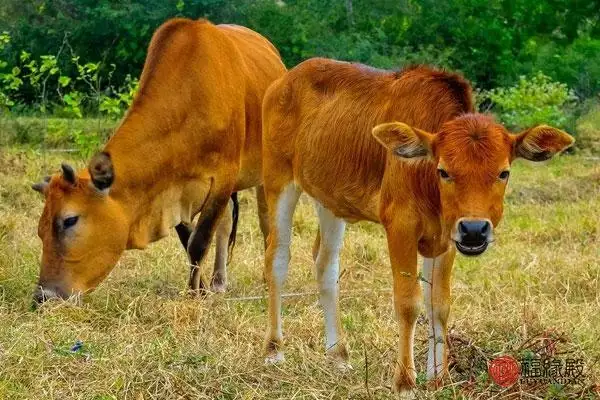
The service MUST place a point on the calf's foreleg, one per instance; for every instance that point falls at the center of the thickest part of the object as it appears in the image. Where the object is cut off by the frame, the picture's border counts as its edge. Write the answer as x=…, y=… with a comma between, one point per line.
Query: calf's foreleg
x=436, y=288
x=402, y=246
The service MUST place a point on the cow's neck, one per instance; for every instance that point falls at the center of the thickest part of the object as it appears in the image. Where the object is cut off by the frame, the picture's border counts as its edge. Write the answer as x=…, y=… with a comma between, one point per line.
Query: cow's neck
x=150, y=193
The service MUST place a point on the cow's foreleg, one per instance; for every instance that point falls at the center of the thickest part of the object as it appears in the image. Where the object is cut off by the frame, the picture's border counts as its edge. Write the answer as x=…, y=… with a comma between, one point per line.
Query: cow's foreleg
x=184, y=231
x=281, y=203
x=219, y=278
x=402, y=246
x=201, y=238
x=328, y=270
x=436, y=288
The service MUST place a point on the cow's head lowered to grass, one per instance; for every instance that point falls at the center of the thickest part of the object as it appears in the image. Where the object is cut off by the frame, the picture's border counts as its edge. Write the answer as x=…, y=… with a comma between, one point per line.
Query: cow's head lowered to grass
x=473, y=155
x=83, y=230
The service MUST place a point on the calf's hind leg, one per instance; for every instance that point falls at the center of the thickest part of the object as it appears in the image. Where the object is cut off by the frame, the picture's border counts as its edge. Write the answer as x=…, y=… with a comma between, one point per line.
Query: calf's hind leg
x=281, y=204
x=328, y=271
x=263, y=215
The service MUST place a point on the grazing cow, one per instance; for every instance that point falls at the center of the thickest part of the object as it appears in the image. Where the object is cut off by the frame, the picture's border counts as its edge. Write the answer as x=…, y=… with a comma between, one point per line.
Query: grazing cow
x=191, y=139
x=403, y=149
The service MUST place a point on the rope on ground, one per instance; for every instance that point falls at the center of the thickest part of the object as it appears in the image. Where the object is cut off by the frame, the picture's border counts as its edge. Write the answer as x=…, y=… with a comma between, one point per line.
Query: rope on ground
x=347, y=293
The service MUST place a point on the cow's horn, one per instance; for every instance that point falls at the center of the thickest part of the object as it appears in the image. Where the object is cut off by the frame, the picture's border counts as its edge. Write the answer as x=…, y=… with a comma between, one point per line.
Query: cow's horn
x=68, y=173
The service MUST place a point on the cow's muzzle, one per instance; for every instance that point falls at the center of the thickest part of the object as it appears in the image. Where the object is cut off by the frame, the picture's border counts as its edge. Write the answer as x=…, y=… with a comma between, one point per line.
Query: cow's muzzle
x=473, y=236
x=45, y=293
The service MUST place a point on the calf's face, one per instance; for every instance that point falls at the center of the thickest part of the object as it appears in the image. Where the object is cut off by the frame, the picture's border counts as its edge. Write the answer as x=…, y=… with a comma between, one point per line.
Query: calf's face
x=83, y=231
x=472, y=155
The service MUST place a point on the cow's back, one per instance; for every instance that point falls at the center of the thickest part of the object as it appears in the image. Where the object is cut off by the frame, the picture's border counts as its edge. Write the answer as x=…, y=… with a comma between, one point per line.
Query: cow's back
x=261, y=65
x=319, y=118
x=200, y=95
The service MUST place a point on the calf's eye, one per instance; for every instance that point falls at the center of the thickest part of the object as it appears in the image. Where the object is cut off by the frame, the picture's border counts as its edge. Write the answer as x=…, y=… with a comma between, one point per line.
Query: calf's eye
x=504, y=175
x=70, y=221
x=443, y=173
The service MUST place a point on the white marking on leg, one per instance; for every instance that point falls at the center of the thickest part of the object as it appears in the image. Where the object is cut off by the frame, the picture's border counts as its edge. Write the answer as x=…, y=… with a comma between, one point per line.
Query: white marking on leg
x=437, y=341
x=286, y=204
x=328, y=269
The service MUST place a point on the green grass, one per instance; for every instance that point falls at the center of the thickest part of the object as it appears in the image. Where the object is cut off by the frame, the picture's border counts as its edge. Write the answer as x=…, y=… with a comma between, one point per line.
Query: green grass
x=144, y=339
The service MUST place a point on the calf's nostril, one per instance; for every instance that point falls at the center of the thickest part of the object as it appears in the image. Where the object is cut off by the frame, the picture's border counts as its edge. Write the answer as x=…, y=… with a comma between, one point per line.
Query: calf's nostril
x=474, y=231
x=485, y=230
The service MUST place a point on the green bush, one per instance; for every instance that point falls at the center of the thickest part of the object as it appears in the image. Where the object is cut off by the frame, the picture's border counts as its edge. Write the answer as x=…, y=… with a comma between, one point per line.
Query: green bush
x=588, y=129
x=83, y=135
x=534, y=100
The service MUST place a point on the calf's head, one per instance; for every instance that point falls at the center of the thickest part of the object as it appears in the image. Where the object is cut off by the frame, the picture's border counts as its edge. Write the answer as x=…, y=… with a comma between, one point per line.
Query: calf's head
x=83, y=230
x=473, y=155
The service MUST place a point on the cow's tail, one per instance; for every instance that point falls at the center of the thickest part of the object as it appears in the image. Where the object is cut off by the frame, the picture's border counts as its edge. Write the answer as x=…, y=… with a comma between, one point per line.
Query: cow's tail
x=235, y=215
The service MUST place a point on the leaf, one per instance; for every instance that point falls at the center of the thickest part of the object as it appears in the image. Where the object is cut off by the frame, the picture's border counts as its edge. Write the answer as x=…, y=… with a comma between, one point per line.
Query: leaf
x=64, y=81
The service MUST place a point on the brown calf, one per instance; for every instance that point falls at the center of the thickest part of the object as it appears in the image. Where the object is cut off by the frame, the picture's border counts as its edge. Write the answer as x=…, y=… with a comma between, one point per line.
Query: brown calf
x=435, y=180
x=191, y=138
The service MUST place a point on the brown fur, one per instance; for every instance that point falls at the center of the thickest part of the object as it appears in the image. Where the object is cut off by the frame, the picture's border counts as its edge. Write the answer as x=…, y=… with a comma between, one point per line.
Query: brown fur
x=329, y=129
x=191, y=137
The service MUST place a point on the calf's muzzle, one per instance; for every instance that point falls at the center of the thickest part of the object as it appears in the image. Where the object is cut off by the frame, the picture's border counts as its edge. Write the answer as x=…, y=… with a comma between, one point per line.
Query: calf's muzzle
x=473, y=236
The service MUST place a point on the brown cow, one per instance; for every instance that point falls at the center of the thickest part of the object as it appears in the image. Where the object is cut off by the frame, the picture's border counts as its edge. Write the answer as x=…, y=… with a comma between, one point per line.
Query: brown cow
x=191, y=138
x=435, y=180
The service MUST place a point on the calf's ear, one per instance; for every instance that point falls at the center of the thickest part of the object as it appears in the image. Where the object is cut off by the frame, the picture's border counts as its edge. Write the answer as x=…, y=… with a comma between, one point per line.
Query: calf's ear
x=404, y=141
x=541, y=143
x=102, y=172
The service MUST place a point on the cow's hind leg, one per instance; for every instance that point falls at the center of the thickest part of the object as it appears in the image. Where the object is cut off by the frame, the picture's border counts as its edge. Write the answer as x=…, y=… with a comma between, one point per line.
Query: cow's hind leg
x=328, y=270
x=219, y=278
x=281, y=203
x=201, y=238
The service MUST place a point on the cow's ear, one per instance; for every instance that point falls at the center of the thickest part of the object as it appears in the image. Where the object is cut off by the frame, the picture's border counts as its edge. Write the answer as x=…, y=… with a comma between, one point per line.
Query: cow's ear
x=101, y=171
x=41, y=186
x=541, y=143
x=403, y=140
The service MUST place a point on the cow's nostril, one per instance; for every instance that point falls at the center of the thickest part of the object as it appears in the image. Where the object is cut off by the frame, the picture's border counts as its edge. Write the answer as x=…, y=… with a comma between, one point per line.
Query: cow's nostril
x=43, y=294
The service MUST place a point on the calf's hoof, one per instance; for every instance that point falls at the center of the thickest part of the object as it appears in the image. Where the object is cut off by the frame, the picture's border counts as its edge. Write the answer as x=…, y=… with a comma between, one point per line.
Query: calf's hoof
x=405, y=383
x=275, y=358
x=338, y=356
x=274, y=351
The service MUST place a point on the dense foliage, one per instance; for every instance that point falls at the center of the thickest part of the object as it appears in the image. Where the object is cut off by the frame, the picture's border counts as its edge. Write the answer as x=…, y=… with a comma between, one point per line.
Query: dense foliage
x=83, y=55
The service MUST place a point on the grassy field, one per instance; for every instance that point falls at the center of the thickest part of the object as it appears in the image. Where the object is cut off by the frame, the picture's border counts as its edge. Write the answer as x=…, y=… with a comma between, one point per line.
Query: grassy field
x=142, y=338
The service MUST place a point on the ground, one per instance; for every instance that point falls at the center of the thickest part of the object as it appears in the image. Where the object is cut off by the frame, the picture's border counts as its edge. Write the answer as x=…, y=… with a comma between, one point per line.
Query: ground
x=144, y=338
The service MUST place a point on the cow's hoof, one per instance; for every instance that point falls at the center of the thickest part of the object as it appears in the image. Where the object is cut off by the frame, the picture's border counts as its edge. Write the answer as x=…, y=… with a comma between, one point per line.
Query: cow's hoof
x=197, y=293
x=218, y=287
x=218, y=283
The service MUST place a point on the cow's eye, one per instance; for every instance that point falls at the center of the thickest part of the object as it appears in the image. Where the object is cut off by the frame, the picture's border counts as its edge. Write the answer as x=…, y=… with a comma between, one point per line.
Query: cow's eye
x=504, y=175
x=443, y=174
x=70, y=221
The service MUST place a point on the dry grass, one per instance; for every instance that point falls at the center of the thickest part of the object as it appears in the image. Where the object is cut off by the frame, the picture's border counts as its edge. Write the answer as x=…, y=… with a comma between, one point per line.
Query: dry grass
x=143, y=339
